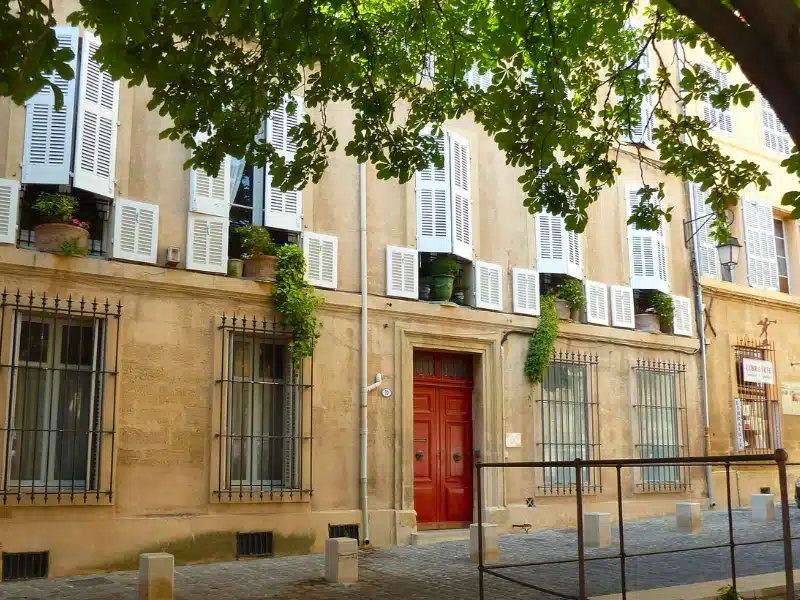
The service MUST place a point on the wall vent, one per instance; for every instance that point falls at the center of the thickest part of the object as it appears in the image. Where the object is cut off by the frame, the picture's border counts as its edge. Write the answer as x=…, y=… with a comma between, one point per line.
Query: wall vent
x=343, y=531
x=257, y=543
x=25, y=565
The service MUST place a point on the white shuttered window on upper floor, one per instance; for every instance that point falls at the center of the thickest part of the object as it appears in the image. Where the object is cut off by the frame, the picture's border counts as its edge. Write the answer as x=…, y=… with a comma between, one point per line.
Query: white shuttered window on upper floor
x=647, y=250
x=682, y=316
x=596, y=302
x=9, y=206
x=488, y=285
x=557, y=250
x=402, y=270
x=525, y=291
x=641, y=131
x=135, y=231
x=717, y=118
x=622, y=310
x=207, y=243
x=322, y=257
x=759, y=234
x=444, y=200
x=708, y=258
x=210, y=194
x=776, y=137
x=283, y=209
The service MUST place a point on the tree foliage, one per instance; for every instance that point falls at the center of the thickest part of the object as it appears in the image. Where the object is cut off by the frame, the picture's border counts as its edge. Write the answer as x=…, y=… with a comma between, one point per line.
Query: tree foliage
x=566, y=86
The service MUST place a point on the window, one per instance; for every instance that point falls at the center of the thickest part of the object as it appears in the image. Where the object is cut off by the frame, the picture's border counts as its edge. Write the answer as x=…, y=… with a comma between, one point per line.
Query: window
x=708, y=256
x=776, y=137
x=660, y=404
x=648, y=250
x=780, y=253
x=60, y=369
x=760, y=424
x=570, y=421
x=716, y=118
x=759, y=233
x=558, y=251
x=263, y=401
x=641, y=130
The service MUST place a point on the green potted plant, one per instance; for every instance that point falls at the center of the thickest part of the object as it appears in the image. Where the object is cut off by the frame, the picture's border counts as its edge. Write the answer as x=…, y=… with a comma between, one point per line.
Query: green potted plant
x=571, y=293
x=260, y=252
x=444, y=271
x=59, y=229
x=657, y=317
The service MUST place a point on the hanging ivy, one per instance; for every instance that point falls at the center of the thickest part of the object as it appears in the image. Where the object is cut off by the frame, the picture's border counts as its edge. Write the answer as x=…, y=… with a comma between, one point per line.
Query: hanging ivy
x=296, y=301
x=542, y=342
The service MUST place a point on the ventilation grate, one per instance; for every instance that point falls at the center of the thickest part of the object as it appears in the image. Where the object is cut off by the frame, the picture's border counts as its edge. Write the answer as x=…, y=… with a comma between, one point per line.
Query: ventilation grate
x=25, y=565
x=258, y=543
x=343, y=531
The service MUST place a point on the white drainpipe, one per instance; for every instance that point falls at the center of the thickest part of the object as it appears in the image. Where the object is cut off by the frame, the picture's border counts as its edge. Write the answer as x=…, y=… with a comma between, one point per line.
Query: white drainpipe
x=365, y=389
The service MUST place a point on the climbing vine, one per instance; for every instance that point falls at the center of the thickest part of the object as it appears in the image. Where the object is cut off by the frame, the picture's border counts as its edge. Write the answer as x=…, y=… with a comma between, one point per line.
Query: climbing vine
x=543, y=340
x=296, y=301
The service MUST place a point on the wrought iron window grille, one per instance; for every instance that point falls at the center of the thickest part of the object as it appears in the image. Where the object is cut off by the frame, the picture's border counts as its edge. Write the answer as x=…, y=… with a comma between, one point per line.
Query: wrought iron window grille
x=570, y=421
x=59, y=361
x=264, y=448
x=662, y=428
x=759, y=401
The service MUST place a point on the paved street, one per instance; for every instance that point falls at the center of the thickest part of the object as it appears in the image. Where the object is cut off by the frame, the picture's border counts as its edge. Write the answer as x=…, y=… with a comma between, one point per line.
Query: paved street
x=444, y=570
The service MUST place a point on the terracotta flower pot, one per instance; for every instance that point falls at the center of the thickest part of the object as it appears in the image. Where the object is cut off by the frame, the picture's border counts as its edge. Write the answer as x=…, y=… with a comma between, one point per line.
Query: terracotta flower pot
x=562, y=309
x=260, y=267
x=648, y=322
x=50, y=236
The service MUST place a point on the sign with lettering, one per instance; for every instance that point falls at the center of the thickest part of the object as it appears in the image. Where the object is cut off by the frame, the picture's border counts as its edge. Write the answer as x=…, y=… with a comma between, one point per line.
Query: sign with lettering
x=758, y=371
x=790, y=394
x=739, y=427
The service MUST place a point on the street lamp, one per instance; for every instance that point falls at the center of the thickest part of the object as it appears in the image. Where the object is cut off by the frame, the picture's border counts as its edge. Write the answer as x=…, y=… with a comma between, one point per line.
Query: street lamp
x=729, y=253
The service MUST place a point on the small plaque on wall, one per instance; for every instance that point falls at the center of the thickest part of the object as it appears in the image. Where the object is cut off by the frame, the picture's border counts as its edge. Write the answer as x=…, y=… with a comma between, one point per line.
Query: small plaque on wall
x=790, y=397
x=513, y=440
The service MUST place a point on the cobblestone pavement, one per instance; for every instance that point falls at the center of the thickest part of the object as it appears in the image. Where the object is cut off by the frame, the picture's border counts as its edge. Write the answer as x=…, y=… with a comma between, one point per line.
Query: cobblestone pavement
x=444, y=571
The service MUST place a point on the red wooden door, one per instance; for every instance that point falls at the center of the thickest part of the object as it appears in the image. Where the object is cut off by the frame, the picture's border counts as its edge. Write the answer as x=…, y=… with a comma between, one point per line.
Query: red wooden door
x=443, y=455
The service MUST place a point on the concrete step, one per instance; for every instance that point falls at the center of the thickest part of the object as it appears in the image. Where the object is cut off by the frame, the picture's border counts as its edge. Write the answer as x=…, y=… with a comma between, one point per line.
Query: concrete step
x=434, y=536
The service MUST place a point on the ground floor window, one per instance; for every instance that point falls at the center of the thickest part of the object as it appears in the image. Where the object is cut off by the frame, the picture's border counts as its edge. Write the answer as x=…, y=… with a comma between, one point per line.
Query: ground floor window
x=263, y=395
x=58, y=430
x=662, y=427
x=758, y=426
x=570, y=421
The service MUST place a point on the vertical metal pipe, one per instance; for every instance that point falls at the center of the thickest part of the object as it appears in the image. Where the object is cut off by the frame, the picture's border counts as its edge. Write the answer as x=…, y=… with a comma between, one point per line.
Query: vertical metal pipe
x=362, y=193
x=730, y=523
x=479, y=480
x=223, y=426
x=114, y=399
x=579, y=509
x=621, y=534
x=780, y=458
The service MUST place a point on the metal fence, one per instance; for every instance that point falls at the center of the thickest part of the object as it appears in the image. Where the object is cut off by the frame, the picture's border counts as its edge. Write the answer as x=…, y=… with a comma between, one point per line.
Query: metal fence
x=579, y=467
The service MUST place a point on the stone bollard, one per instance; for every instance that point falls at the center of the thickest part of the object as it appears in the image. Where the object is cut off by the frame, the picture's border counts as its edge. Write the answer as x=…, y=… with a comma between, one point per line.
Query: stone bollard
x=762, y=508
x=689, y=517
x=596, y=530
x=156, y=576
x=341, y=560
x=491, y=543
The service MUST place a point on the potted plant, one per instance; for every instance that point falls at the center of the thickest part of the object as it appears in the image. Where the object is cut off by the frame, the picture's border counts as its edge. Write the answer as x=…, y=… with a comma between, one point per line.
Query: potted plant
x=260, y=252
x=658, y=316
x=444, y=272
x=60, y=231
x=425, y=288
x=460, y=294
x=235, y=267
x=570, y=293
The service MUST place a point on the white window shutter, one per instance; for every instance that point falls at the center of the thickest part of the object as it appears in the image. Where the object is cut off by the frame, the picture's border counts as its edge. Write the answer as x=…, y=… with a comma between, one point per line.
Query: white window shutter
x=284, y=210
x=488, y=286
x=48, y=142
x=433, y=205
x=475, y=78
x=98, y=108
x=762, y=262
x=725, y=122
x=207, y=243
x=460, y=196
x=596, y=302
x=574, y=254
x=648, y=251
x=682, y=317
x=9, y=207
x=135, y=231
x=622, y=311
x=402, y=271
x=210, y=194
x=525, y=284
x=716, y=118
x=776, y=137
x=321, y=252
x=708, y=258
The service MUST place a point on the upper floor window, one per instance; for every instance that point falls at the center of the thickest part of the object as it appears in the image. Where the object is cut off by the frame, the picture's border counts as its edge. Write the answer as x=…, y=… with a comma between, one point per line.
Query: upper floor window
x=761, y=245
x=648, y=250
x=708, y=256
x=75, y=145
x=781, y=256
x=642, y=122
x=716, y=118
x=776, y=137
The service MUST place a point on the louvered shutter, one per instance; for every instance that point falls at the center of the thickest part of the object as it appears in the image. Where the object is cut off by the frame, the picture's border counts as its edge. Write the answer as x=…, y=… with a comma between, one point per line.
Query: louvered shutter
x=648, y=251
x=321, y=252
x=574, y=254
x=776, y=137
x=716, y=118
x=475, y=78
x=762, y=262
x=622, y=311
x=210, y=194
x=429, y=68
x=557, y=250
x=98, y=107
x=402, y=270
x=709, y=257
x=135, y=231
x=460, y=193
x=284, y=210
x=682, y=317
x=725, y=122
x=9, y=207
x=596, y=302
x=47, y=147
x=207, y=243
x=433, y=205
x=488, y=286
x=525, y=284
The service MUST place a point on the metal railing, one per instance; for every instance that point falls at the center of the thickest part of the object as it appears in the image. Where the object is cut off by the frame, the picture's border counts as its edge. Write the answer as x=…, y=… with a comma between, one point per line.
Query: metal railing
x=778, y=459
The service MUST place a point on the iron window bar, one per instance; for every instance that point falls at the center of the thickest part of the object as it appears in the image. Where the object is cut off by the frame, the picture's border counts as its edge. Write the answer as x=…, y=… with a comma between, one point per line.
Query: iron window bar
x=59, y=358
x=759, y=401
x=264, y=441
